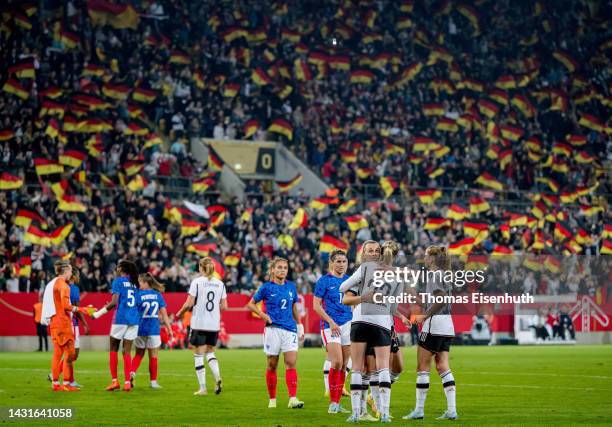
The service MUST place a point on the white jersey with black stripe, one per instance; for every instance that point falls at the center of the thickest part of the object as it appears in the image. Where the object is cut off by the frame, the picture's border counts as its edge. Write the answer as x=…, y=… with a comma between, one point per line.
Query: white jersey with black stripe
x=440, y=323
x=207, y=308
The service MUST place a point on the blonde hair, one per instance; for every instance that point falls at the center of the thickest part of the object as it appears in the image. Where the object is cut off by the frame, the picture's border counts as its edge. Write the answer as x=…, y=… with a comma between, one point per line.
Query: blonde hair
x=440, y=256
x=273, y=263
x=152, y=282
x=207, y=267
x=361, y=254
x=61, y=266
x=389, y=251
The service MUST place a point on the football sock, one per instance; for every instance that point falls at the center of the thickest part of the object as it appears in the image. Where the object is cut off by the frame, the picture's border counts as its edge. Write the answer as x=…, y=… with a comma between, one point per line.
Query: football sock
x=127, y=366
x=71, y=372
x=114, y=362
x=365, y=382
x=349, y=365
x=153, y=368
x=422, y=387
x=326, y=367
x=394, y=376
x=385, y=391
x=200, y=371
x=448, y=382
x=136, y=361
x=374, y=389
x=56, y=362
x=342, y=380
x=213, y=364
x=356, y=388
x=333, y=384
x=292, y=381
x=271, y=383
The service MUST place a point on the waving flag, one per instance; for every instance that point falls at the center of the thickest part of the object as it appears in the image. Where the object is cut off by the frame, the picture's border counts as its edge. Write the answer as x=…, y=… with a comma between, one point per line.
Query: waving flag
x=300, y=220
x=285, y=186
x=10, y=182
x=330, y=243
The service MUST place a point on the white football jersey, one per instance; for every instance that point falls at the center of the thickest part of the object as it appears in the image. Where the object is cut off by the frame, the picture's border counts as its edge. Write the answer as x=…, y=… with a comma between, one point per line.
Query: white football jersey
x=207, y=308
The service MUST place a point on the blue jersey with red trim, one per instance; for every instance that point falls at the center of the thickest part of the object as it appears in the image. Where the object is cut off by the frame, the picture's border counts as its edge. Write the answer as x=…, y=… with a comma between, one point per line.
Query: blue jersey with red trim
x=328, y=289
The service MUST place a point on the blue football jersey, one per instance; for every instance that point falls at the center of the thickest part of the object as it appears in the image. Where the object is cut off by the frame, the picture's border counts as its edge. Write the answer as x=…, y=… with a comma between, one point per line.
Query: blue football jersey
x=328, y=289
x=151, y=302
x=75, y=298
x=279, y=301
x=126, y=312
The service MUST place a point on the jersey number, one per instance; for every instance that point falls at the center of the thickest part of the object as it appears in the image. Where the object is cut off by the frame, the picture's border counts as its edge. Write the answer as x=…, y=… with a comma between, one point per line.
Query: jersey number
x=210, y=301
x=130, y=296
x=283, y=304
x=153, y=307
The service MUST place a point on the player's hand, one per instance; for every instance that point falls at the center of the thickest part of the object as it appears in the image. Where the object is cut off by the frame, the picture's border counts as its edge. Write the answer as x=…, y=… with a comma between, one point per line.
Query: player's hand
x=419, y=318
x=335, y=329
x=266, y=319
x=300, y=332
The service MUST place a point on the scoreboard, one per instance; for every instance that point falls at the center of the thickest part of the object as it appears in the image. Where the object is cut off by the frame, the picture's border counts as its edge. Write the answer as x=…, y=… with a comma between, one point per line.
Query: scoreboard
x=247, y=158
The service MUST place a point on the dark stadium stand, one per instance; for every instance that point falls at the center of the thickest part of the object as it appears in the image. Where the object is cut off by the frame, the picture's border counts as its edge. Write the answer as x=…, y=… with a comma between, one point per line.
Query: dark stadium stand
x=493, y=139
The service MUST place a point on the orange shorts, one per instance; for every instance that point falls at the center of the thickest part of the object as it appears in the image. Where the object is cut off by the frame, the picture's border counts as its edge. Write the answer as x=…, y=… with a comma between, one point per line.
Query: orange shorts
x=63, y=337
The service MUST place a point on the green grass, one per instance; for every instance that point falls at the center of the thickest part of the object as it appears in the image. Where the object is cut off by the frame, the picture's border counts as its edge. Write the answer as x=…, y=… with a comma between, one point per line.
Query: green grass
x=495, y=385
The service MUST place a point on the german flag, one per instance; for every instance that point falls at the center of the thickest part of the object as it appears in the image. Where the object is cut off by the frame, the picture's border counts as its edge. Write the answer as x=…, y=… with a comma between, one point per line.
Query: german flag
x=72, y=158
x=230, y=90
x=257, y=35
x=562, y=149
x=219, y=268
x=499, y=96
x=560, y=166
x=143, y=95
x=606, y=247
x=434, y=172
x=6, y=135
x=584, y=158
x=250, y=127
x=407, y=6
x=539, y=210
x=523, y=105
x=473, y=85
x=433, y=110
x=346, y=206
x=583, y=238
x=532, y=262
x=203, y=184
x=25, y=217
x=403, y=23
x=506, y=82
x=505, y=157
x=474, y=229
x=340, y=63
x=462, y=247
x=364, y=173
x=132, y=167
x=47, y=167
x=408, y=74
x=51, y=92
x=477, y=262
x=190, y=227
x=576, y=140
x=14, y=87
x=203, y=248
x=300, y=219
x=323, y=202
x=70, y=203
x=433, y=223
x=215, y=163
x=487, y=180
x=260, y=77
x=591, y=122
x=284, y=186
x=428, y=197
x=198, y=78
x=361, y=76
x=301, y=70
x=422, y=143
x=517, y=220
x=500, y=250
x=137, y=183
x=478, y=205
x=607, y=231
x=282, y=127
x=505, y=230
x=388, y=185
x=10, y=182
x=69, y=39
x=217, y=214
x=552, y=184
x=330, y=243
x=36, y=236
x=587, y=210
x=566, y=60
x=457, y=212
x=356, y=222
x=487, y=108
x=512, y=133
x=118, y=92
x=103, y=12
x=562, y=231
x=348, y=156
x=23, y=70
x=447, y=125
x=233, y=33
x=179, y=57
x=58, y=235
x=441, y=152
x=232, y=260
x=552, y=264
x=23, y=267
x=93, y=70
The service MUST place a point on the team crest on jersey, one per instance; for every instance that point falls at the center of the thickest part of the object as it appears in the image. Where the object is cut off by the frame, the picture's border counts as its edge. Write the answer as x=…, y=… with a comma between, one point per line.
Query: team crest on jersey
x=290, y=294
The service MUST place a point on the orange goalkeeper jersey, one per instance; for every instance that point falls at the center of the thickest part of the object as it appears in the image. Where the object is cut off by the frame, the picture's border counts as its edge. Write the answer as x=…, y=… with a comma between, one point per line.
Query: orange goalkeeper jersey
x=62, y=321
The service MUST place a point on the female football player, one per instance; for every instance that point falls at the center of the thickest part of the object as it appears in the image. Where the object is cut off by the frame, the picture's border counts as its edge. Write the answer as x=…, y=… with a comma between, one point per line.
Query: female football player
x=335, y=325
x=208, y=297
x=435, y=338
x=152, y=308
x=371, y=326
x=125, y=321
x=283, y=328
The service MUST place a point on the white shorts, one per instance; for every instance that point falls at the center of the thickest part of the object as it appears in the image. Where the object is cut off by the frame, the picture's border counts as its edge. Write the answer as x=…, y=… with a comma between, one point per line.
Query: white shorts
x=151, y=341
x=77, y=336
x=124, y=332
x=277, y=341
x=343, y=339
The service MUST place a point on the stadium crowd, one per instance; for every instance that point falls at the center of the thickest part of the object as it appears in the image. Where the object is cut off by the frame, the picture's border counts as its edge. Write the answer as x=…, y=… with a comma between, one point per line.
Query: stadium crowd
x=412, y=109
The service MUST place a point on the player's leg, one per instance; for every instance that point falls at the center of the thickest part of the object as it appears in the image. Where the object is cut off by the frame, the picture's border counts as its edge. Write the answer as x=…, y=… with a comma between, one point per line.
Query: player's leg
x=346, y=368
x=448, y=382
x=55, y=363
x=198, y=358
x=127, y=363
x=69, y=357
x=424, y=358
x=211, y=359
x=271, y=378
x=396, y=365
x=384, y=380
x=349, y=368
x=114, y=342
x=358, y=359
x=326, y=366
x=373, y=399
x=77, y=348
x=334, y=354
x=140, y=343
x=153, y=353
x=291, y=378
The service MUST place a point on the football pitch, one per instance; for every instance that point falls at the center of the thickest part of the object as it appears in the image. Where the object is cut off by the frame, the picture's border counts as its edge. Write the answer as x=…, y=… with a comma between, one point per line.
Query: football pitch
x=545, y=385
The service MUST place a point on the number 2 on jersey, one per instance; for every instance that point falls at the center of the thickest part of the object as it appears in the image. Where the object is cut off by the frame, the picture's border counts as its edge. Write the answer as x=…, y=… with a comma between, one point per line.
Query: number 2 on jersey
x=283, y=304
x=150, y=309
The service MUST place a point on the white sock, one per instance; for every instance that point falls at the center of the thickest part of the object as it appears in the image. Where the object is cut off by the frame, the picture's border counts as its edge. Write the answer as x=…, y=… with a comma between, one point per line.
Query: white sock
x=422, y=387
x=394, y=376
x=374, y=389
x=349, y=365
x=385, y=391
x=200, y=371
x=326, y=366
x=448, y=382
x=365, y=383
x=213, y=364
x=356, y=392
